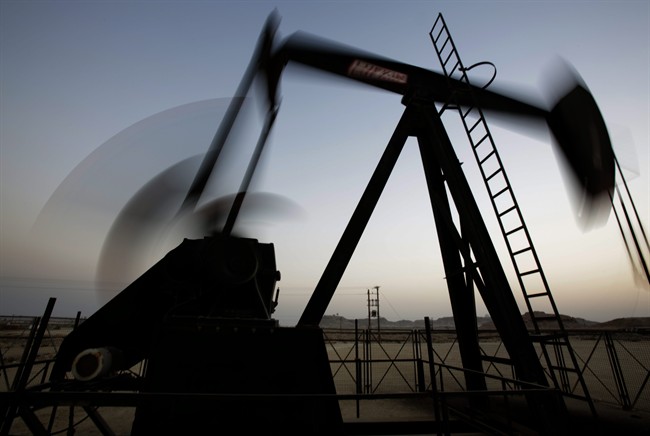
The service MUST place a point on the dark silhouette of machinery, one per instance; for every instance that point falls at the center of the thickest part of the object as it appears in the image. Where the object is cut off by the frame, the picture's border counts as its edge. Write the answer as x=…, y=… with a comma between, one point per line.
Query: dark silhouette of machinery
x=211, y=300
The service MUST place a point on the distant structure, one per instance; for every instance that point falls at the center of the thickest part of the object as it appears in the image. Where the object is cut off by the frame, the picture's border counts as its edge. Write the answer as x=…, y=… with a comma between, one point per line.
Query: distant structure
x=373, y=310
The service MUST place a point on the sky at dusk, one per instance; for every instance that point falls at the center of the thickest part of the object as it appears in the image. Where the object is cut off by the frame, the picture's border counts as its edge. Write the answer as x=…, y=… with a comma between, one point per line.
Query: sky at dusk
x=98, y=97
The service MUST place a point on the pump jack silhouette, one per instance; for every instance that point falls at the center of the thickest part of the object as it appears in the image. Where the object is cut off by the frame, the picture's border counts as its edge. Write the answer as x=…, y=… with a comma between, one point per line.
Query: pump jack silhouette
x=213, y=299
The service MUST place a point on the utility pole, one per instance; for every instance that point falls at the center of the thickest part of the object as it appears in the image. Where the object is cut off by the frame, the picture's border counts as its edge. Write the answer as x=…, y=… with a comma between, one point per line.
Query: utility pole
x=373, y=302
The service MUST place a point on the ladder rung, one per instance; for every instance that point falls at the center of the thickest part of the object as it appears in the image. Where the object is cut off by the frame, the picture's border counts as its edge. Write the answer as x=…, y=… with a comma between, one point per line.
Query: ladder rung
x=439, y=34
x=475, y=125
x=514, y=230
x=527, y=273
x=538, y=294
x=480, y=142
x=489, y=155
x=523, y=250
x=510, y=209
x=493, y=174
x=500, y=192
x=444, y=64
x=445, y=43
x=453, y=70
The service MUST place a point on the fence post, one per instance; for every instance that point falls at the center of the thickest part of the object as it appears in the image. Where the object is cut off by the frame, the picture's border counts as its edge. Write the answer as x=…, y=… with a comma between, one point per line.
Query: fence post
x=357, y=363
x=432, y=370
x=367, y=361
x=419, y=364
x=617, y=371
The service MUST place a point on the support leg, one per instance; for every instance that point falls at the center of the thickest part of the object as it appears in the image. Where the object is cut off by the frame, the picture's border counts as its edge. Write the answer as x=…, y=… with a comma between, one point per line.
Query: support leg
x=461, y=291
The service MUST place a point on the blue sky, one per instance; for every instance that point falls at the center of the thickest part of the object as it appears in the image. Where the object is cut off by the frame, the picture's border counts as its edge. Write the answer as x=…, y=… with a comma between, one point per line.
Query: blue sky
x=97, y=97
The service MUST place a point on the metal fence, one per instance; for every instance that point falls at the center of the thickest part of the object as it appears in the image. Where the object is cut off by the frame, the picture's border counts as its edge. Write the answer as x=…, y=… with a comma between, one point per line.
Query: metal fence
x=615, y=364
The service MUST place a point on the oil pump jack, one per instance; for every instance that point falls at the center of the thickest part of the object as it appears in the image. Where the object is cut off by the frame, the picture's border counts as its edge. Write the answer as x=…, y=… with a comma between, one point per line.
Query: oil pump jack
x=202, y=316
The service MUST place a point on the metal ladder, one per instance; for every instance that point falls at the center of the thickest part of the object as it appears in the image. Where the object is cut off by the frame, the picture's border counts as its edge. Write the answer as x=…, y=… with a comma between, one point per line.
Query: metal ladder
x=548, y=327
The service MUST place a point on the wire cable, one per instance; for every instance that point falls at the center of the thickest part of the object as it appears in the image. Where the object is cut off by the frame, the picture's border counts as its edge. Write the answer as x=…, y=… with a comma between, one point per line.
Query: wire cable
x=494, y=74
